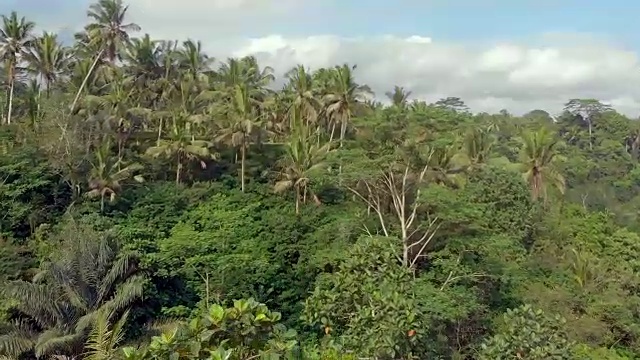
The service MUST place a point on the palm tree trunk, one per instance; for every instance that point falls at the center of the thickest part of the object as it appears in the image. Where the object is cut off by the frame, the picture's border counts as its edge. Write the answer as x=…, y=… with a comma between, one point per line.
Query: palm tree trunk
x=178, y=169
x=12, y=81
x=102, y=202
x=297, y=200
x=159, y=132
x=590, y=135
x=243, y=155
x=333, y=131
x=343, y=131
x=86, y=79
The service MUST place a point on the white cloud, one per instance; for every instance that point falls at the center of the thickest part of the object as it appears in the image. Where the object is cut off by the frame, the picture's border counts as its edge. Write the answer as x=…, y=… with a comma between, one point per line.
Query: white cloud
x=542, y=72
x=513, y=76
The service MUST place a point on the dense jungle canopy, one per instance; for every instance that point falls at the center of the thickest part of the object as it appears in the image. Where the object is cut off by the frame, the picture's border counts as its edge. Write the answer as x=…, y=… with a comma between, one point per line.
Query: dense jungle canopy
x=156, y=203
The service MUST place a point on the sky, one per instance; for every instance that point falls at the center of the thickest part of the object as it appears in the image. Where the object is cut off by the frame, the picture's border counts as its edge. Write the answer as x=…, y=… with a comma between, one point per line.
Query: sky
x=517, y=55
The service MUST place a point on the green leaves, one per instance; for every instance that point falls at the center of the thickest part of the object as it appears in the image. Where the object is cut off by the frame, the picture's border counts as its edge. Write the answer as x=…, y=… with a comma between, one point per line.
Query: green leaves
x=528, y=333
x=369, y=304
x=72, y=294
x=246, y=330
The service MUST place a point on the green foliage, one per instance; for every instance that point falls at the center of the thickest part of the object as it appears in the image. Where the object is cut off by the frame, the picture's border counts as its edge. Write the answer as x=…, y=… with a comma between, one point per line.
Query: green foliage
x=31, y=193
x=527, y=333
x=243, y=331
x=584, y=352
x=278, y=195
x=245, y=245
x=509, y=208
x=56, y=311
x=375, y=307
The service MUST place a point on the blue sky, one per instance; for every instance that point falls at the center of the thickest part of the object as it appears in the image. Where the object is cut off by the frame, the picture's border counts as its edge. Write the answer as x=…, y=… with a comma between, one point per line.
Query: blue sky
x=488, y=19
x=513, y=54
x=460, y=20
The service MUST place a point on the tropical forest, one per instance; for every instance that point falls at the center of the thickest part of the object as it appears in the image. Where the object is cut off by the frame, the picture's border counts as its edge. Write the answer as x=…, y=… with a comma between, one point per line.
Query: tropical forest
x=158, y=202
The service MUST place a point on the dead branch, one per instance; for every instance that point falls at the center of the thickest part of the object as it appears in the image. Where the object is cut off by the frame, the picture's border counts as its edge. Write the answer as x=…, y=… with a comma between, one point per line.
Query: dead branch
x=405, y=203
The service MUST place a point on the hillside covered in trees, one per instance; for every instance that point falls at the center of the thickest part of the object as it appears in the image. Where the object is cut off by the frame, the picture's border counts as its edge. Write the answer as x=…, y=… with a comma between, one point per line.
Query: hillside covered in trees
x=158, y=204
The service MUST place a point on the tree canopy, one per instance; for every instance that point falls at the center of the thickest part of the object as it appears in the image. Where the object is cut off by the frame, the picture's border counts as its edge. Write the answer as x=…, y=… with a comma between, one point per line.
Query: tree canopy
x=157, y=202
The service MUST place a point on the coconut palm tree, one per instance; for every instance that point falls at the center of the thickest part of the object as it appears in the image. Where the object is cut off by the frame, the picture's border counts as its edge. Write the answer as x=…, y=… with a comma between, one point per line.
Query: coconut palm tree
x=302, y=94
x=446, y=166
x=192, y=60
x=15, y=40
x=47, y=59
x=181, y=145
x=539, y=152
x=109, y=31
x=245, y=126
x=399, y=96
x=477, y=146
x=107, y=174
x=60, y=306
x=108, y=34
x=304, y=159
x=343, y=98
x=143, y=59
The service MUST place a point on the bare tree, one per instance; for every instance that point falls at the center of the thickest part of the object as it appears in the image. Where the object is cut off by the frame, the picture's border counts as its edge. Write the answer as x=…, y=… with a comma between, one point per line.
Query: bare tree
x=397, y=203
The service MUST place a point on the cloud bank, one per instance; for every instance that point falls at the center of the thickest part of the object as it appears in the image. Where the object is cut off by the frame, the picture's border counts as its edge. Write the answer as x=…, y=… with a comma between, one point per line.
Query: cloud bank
x=519, y=75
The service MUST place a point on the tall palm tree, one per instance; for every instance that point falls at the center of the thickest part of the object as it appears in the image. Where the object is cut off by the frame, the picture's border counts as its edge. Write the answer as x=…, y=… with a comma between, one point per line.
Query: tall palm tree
x=108, y=34
x=109, y=31
x=47, y=59
x=60, y=306
x=304, y=159
x=302, y=93
x=257, y=77
x=32, y=103
x=192, y=60
x=117, y=105
x=107, y=174
x=343, y=98
x=143, y=59
x=538, y=159
x=245, y=126
x=15, y=39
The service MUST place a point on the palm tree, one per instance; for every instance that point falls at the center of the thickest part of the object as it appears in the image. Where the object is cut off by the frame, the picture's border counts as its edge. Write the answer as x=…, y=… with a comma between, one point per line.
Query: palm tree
x=445, y=165
x=60, y=306
x=181, y=145
x=117, y=106
x=105, y=337
x=302, y=93
x=47, y=59
x=245, y=126
x=538, y=155
x=477, y=146
x=257, y=78
x=143, y=59
x=192, y=60
x=304, y=159
x=109, y=31
x=15, y=39
x=343, y=98
x=245, y=72
x=399, y=96
x=107, y=175
x=31, y=102
x=108, y=34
